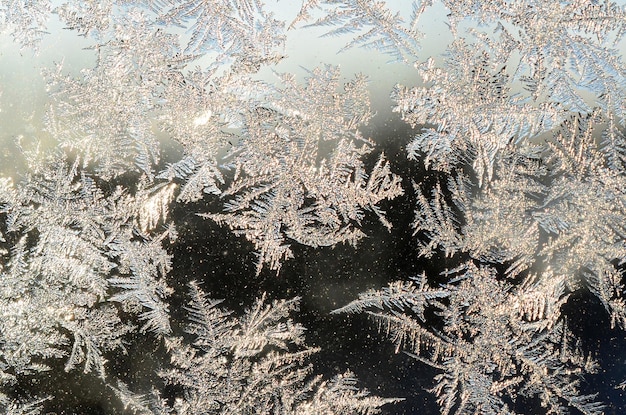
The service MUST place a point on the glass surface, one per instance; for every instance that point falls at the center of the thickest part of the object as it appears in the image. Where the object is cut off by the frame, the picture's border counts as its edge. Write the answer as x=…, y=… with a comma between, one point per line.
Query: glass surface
x=317, y=207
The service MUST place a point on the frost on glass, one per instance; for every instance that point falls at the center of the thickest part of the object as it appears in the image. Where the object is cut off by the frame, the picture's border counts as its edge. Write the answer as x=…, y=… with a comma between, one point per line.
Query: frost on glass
x=287, y=188
x=70, y=252
x=252, y=364
x=498, y=344
x=521, y=120
x=255, y=364
x=371, y=22
x=87, y=228
x=518, y=127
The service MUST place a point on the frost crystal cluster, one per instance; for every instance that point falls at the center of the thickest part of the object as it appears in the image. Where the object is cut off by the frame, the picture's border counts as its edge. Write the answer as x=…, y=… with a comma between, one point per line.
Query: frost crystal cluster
x=518, y=130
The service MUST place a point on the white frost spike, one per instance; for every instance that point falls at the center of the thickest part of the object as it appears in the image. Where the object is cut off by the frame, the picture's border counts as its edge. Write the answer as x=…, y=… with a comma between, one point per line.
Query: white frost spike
x=156, y=207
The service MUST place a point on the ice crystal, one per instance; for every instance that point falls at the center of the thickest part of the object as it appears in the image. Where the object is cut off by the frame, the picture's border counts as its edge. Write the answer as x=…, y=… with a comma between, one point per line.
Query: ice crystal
x=497, y=344
x=251, y=364
x=286, y=187
x=519, y=128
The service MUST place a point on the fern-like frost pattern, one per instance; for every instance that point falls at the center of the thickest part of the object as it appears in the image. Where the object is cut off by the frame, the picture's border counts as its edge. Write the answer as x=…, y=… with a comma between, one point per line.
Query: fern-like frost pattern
x=518, y=128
